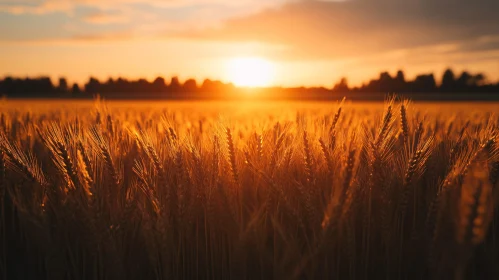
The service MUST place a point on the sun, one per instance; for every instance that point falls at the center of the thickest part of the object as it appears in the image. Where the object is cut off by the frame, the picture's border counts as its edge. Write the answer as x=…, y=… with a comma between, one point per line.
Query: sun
x=250, y=71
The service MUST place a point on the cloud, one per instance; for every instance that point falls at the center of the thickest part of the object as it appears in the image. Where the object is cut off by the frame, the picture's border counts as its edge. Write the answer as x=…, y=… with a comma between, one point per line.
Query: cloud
x=485, y=43
x=311, y=29
x=68, y=6
x=99, y=38
x=82, y=39
x=148, y=17
x=335, y=29
x=36, y=7
x=105, y=18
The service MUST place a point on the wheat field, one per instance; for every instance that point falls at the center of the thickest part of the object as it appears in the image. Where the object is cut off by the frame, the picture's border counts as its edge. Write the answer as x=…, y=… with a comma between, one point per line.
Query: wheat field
x=248, y=191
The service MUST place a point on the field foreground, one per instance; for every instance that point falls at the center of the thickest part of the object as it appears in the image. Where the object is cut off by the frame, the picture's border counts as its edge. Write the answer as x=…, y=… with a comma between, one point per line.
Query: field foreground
x=248, y=191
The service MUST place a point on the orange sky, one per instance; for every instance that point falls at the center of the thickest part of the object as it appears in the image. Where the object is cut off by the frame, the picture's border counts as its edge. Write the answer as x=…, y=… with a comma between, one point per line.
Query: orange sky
x=307, y=42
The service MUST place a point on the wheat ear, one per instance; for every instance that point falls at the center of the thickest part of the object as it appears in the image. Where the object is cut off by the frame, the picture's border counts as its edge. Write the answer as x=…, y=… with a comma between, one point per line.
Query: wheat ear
x=232, y=155
x=404, y=123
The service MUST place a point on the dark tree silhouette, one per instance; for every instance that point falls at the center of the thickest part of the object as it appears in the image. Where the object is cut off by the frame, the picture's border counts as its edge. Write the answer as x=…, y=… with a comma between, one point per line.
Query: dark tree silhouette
x=424, y=83
x=399, y=83
x=174, y=85
x=190, y=86
x=93, y=86
x=75, y=90
x=479, y=80
x=159, y=85
x=382, y=84
x=464, y=80
x=63, y=85
x=122, y=88
x=341, y=86
x=38, y=87
x=448, y=81
x=400, y=76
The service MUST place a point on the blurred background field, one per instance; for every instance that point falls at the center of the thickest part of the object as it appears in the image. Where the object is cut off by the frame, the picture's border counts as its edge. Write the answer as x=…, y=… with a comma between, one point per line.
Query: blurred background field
x=239, y=108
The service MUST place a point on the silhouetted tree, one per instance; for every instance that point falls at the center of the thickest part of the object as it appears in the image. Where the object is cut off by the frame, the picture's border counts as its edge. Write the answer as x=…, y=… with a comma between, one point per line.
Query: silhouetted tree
x=75, y=90
x=190, y=86
x=142, y=86
x=383, y=84
x=424, y=83
x=207, y=85
x=63, y=85
x=400, y=76
x=448, y=81
x=174, y=85
x=341, y=86
x=399, y=84
x=109, y=87
x=159, y=85
x=385, y=77
x=464, y=78
x=479, y=79
x=38, y=87
x=93, y=86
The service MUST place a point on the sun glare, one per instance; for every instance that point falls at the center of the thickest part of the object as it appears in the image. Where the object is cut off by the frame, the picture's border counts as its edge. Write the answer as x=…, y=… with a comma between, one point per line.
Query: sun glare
x=250, y=71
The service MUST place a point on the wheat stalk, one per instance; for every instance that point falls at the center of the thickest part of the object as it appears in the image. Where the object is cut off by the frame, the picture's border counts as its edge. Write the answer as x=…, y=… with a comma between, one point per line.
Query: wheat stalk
x=307, y=158
x=232, y=155
x=403, y=122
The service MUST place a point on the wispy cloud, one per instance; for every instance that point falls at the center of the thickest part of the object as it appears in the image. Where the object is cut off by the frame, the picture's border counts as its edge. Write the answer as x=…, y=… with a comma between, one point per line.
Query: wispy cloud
x=36, y=7
x=153, y=17
x=311, y=29
x=68, y=6
x=335, y=29
x=105, y=18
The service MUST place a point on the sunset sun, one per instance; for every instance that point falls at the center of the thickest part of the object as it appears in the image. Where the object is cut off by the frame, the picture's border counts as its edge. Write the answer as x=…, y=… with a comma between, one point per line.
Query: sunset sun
x=250, y=71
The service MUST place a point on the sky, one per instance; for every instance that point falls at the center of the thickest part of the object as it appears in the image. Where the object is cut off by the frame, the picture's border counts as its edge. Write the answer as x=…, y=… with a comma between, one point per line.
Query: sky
x=306, y=42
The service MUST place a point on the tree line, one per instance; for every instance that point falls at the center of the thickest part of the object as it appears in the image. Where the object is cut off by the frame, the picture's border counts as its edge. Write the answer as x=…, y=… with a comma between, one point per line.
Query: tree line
x=44, y=87
x=425, y=83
